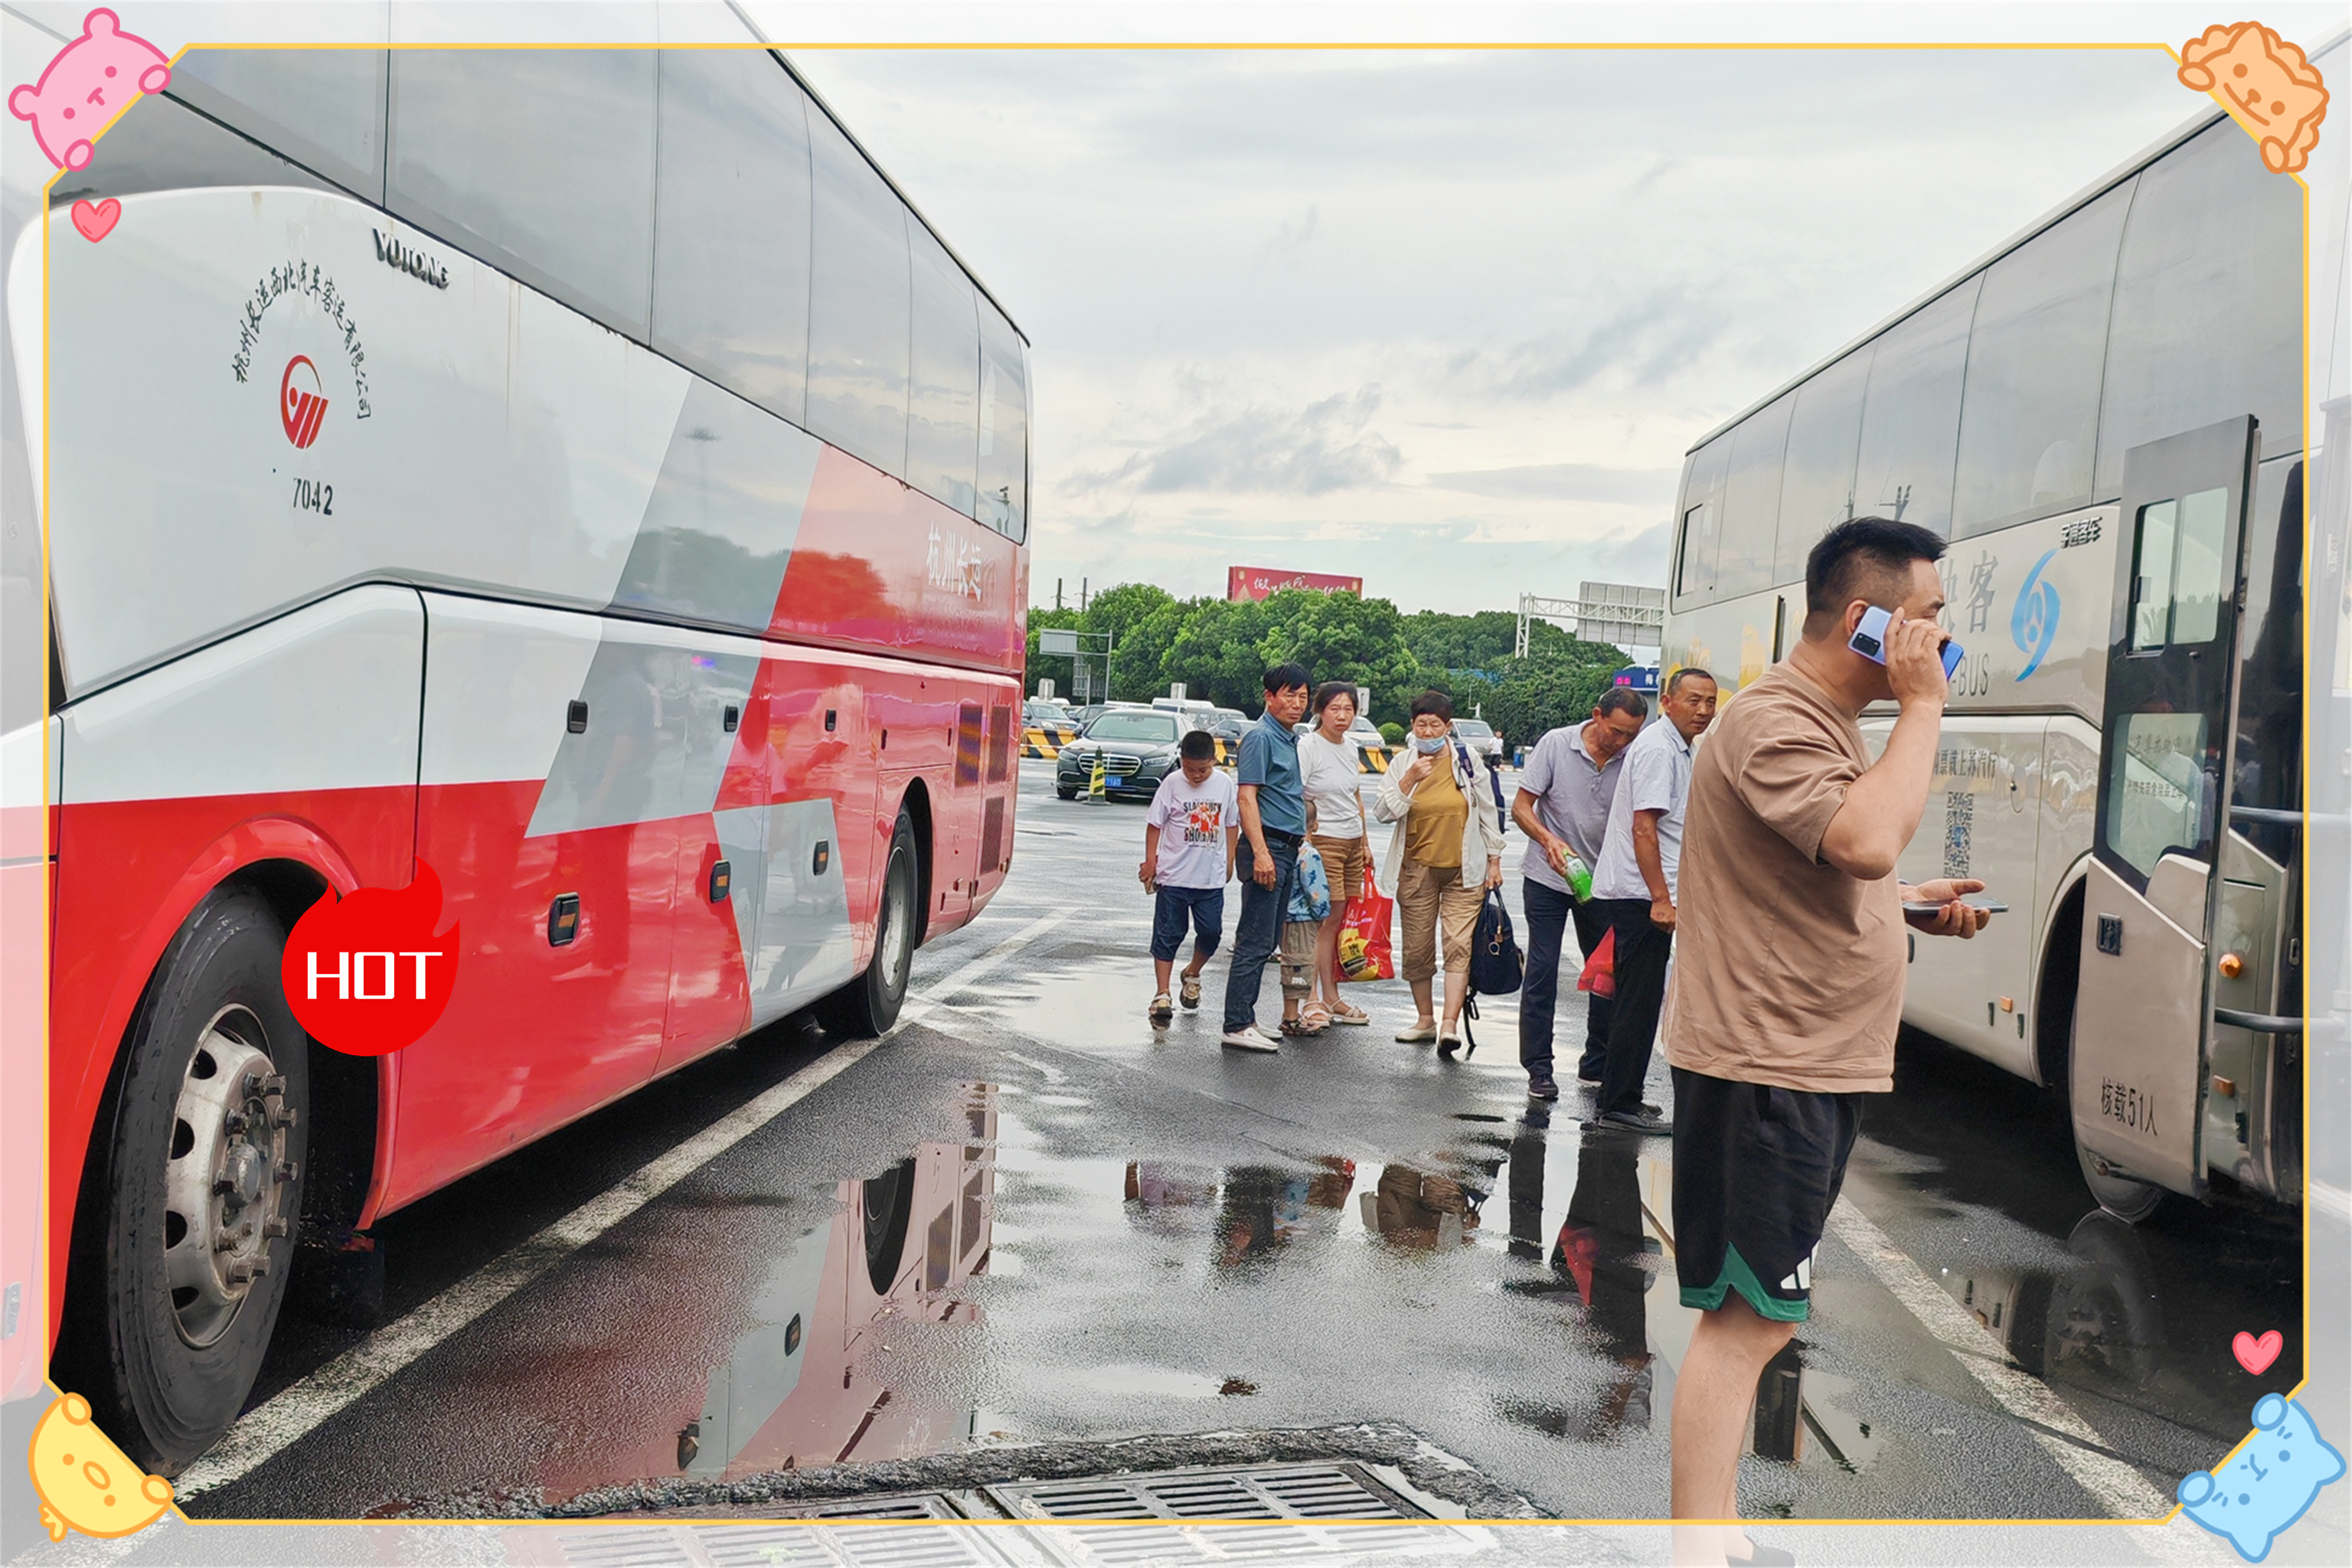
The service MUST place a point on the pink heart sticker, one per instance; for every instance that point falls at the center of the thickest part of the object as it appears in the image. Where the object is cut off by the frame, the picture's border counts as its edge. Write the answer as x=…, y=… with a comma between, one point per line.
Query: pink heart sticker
x=96, y=221
x=2256, y=1355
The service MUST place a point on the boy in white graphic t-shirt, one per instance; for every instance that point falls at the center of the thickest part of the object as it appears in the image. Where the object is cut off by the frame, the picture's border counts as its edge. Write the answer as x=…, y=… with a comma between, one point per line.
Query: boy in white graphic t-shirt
x=1188, y=857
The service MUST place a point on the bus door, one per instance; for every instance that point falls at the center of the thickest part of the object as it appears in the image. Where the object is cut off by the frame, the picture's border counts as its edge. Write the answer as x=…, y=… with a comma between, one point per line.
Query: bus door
x=2143, y=1034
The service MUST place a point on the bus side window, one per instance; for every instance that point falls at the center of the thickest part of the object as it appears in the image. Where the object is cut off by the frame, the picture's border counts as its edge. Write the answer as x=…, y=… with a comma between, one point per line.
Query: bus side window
x=858, y=306
x=1004, y=426
x=538, y=161
x=942, y=419
x=323, y=106
x=731, y=257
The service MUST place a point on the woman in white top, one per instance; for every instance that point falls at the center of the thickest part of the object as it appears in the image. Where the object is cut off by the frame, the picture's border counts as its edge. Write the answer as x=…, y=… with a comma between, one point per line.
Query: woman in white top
x=1328, y=770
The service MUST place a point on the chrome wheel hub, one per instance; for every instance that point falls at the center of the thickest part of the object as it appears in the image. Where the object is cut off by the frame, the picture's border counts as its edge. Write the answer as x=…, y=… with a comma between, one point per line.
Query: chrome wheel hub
x=227, y=1182
x=897, y=918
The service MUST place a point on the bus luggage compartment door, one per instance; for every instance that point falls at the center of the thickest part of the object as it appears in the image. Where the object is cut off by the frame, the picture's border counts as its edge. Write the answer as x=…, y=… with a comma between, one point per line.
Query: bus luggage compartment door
x=2143, y=1012
x=2139, y=1061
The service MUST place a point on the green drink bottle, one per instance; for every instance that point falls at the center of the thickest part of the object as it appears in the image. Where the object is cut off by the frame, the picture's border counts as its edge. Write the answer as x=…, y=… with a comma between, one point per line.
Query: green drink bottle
x=1579, y=876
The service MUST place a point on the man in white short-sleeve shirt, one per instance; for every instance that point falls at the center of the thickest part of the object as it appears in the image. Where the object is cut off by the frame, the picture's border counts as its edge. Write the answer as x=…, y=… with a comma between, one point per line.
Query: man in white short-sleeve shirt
x=1634, y=888
x=1563, y=808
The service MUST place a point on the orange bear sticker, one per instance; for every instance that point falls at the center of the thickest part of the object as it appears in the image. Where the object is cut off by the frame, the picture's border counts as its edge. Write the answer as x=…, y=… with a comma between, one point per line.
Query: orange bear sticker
x=2265, y=84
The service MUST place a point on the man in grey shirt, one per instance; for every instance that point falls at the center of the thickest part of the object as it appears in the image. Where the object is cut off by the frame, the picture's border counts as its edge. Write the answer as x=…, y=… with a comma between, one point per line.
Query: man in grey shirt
x=1563, y=808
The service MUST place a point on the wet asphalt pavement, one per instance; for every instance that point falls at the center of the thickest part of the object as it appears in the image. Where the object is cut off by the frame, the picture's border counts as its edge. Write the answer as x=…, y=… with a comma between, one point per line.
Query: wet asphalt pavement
x=1028, y=1224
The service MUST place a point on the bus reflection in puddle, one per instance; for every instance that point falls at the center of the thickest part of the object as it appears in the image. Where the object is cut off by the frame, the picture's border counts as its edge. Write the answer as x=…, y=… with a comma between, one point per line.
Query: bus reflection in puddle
x=800, y=1388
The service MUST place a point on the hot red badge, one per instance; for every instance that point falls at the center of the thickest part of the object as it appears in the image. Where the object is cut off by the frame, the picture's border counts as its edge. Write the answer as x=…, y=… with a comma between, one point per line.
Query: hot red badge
x=367, y=975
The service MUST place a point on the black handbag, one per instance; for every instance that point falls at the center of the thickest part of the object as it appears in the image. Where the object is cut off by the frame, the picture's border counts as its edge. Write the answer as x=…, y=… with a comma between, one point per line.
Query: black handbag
x=1495, y=966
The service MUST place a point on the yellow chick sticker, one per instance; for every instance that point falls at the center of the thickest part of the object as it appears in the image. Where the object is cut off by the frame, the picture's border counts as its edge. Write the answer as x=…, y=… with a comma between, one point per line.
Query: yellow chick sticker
x=85, y=1482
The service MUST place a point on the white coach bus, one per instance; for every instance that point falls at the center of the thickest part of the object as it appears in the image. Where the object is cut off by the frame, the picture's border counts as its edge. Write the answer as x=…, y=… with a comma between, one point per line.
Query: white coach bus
x=2106, y=418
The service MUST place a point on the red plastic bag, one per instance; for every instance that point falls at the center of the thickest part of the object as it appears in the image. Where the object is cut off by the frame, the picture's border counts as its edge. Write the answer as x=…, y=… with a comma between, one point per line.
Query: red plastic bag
x=1600, y=975
x=1365, y=952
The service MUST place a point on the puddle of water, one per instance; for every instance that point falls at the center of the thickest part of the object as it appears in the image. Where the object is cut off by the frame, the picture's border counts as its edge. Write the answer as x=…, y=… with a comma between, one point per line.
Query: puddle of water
x=1160, y=1381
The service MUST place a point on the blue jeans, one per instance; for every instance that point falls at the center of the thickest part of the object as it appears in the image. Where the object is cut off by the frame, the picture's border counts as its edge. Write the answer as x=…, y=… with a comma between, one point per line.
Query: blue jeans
x=1173, y=908
x=1258, y=930
x=1548, y=913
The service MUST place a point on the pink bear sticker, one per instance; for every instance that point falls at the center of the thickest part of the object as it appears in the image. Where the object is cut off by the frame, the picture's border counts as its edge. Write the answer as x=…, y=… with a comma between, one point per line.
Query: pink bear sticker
x=91, y=79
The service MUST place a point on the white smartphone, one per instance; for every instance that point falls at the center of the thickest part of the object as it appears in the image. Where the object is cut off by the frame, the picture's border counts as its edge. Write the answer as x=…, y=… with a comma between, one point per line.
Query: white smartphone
x=1916, y=907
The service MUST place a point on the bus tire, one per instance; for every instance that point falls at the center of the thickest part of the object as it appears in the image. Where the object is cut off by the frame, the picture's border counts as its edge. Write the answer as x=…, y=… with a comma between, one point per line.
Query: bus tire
x=869, y=1005
x=199, y=1187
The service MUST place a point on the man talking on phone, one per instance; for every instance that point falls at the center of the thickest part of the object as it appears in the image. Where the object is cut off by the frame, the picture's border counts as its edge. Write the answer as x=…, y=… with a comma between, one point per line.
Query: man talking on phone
x=1788, y=984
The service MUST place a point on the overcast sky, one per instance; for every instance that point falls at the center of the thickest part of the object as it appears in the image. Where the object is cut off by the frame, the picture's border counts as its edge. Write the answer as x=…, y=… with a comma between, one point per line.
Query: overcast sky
x=1449, y=319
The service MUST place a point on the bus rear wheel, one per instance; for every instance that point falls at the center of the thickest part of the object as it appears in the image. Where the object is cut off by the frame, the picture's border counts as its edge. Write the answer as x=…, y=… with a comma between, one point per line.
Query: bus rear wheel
x=201, y=1187
x=869, y=1005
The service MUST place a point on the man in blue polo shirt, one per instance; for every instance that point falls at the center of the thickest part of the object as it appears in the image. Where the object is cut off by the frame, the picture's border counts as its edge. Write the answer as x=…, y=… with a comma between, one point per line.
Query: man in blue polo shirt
x=1273, y=820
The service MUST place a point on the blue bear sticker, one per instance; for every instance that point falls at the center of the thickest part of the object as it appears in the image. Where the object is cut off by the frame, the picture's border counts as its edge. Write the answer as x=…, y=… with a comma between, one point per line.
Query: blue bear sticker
x=2268, y=1484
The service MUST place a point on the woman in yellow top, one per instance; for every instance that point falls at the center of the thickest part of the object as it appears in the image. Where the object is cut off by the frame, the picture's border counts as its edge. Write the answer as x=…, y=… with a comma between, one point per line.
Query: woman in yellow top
x=1445, y=853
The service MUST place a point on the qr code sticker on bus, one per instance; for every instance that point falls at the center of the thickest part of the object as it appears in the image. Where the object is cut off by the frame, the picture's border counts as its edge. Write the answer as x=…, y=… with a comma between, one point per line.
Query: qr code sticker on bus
x=1960, y=823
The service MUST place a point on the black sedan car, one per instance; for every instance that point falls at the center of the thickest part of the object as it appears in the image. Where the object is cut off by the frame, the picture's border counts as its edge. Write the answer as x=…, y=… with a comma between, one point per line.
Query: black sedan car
x=1138, y=748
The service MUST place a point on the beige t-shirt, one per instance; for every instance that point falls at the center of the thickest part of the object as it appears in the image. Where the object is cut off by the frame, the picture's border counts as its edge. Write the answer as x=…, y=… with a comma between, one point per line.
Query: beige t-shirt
x=1787, y=971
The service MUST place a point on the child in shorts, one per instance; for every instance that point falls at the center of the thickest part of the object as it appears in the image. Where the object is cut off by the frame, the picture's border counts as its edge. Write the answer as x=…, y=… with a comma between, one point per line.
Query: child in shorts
x=1302, y=924
x=1188, y=837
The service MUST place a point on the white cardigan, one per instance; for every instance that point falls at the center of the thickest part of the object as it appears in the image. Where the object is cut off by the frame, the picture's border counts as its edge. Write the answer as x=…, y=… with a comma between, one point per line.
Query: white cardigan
x=1481, y=827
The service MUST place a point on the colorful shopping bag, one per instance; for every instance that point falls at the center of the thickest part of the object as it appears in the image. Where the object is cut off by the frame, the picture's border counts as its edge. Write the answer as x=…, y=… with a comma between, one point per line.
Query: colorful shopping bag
x=1365, y=950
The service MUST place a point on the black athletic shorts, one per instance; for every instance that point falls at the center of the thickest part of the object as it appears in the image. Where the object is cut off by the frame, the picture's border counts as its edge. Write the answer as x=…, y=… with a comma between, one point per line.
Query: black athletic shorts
x=1756, y=1170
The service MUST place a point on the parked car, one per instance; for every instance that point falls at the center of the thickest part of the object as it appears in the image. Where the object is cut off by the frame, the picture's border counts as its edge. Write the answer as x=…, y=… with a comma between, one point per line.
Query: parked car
x=1138, y=748
x=1047, y=710
x=1480, y=737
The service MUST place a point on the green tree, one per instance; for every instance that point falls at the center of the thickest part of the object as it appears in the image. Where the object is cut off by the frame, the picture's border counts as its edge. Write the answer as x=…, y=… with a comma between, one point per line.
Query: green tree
x=1339, y=636
x=1216, y=653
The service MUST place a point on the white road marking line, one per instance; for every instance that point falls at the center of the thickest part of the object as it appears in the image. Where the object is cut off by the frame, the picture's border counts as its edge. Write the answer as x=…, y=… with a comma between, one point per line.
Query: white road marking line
x=2117, y=1485
x=294, y=1412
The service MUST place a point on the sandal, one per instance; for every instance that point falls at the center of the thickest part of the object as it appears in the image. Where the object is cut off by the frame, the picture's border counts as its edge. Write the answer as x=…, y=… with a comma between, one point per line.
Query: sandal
x=1191, y=990
x=1299, y=1029
x=1316, y=1016
x=1161, y=1011
x=1344, y=1013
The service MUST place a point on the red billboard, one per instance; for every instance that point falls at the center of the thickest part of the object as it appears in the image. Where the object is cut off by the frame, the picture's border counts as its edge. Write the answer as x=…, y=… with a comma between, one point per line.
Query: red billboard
x=1258, y=582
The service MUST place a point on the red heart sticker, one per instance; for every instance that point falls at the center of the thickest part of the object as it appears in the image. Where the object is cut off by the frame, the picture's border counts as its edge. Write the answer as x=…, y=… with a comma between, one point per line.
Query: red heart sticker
x=367, y=974
x=2256, y=1355
x=96, y=220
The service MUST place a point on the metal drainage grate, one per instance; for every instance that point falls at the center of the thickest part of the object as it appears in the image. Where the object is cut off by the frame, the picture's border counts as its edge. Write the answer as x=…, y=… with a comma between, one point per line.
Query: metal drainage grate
x=878, y=1532
x=1271, y=1491
x=1294, y=1502
x=626, y=1549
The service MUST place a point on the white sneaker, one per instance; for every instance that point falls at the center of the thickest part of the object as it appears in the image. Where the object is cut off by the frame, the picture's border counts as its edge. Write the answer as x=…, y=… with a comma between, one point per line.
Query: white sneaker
x=1248, y=1038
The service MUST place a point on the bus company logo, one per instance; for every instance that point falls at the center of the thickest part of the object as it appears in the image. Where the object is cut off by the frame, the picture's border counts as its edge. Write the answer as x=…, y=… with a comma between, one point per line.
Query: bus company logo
x=301, y=401
x=329, y=310
x=2033, y=623
x=415, y=263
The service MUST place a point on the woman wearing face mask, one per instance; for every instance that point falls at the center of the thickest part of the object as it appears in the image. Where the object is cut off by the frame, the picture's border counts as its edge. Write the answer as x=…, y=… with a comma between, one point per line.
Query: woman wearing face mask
x=1445, y=853
x=1330, y=768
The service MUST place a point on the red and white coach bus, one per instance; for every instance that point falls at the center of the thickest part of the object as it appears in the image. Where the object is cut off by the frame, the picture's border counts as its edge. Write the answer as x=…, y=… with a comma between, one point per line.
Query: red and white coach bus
x=567, y=468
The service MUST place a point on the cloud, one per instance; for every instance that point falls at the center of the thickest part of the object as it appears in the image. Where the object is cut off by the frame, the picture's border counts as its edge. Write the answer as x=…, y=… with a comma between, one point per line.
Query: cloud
x=1288, y=240
x=1322, y=448
x=1567, y=481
